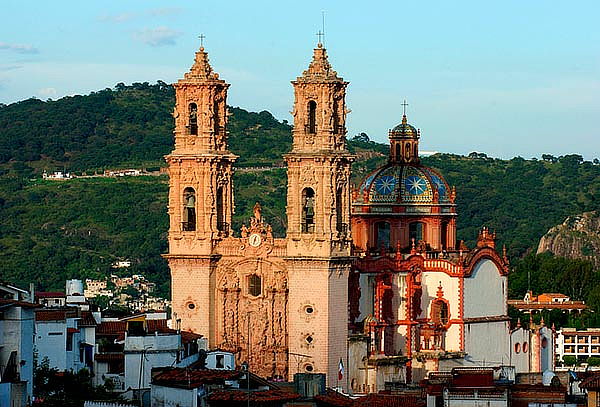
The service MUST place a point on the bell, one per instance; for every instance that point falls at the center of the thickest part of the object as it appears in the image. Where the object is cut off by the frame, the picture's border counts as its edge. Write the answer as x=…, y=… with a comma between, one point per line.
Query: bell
x=190, y=202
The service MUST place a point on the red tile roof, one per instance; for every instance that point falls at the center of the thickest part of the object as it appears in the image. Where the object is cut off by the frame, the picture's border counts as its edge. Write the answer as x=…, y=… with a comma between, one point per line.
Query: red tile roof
x=49, y=294
x=264, y=396
x=187, y=337
x=389, y=400
x=50, y=315
x=191, y=379
x=333, y=398
x=87, y=319
x=111, y=327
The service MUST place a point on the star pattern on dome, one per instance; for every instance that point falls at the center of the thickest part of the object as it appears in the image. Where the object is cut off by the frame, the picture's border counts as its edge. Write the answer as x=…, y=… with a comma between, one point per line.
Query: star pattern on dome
x=415, y=185
x=386, y=184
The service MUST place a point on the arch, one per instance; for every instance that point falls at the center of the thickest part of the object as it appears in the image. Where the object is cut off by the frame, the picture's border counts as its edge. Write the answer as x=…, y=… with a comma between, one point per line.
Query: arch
x=415, y=151
x=398, y=151
x=407, y=151
x=188, y=223
x=382, y=234
x=312, y=117
x=221, y=224
x=416, y=231
x=308, y=210
x=193, y=119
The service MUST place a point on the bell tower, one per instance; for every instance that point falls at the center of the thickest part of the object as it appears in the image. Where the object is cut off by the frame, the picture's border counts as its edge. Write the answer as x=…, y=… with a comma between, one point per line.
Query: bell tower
x=200, y=191
x=318, y=213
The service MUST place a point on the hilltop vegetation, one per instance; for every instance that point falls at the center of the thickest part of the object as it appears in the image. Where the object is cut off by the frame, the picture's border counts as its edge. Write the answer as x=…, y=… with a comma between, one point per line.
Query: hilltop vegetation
x=51, y=231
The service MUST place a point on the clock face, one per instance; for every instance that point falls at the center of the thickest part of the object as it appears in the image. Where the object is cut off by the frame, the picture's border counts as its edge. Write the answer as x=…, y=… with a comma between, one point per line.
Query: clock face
x=254, y=240
x=415, y=185
x=385, y=184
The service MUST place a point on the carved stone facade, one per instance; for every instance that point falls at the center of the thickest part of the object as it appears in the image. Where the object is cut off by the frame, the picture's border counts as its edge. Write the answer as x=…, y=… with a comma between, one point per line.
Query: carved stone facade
x=277, y=303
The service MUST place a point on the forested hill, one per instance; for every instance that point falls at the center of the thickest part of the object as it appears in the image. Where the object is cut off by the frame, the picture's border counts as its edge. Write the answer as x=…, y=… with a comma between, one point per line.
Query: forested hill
x=51, y=231
x=128, y=126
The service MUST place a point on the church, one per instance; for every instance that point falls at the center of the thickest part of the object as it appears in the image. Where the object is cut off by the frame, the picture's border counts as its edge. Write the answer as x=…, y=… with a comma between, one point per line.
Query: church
x=369, y=286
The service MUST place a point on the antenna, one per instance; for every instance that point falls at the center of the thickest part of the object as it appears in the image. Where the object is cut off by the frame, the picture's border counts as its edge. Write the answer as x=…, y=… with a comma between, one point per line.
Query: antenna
x=323, y=23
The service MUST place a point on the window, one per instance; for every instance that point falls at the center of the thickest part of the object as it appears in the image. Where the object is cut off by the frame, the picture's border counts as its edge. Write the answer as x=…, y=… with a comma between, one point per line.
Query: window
x=439, y=312
x=221, y=225
x=444, y=235
x=220, y=364
x=382, y=233
x=415, y=231
x=309, y=309
x=398, y=151
x=517, y=347
x=308, y=367
x=216, y=117
x=312, y=117
x=193, y=119
x=69, y=341
x=526, y=346
x=308, y=210
x=339, y=210
x=254, y=285
x=336, y=119
x=189, y=210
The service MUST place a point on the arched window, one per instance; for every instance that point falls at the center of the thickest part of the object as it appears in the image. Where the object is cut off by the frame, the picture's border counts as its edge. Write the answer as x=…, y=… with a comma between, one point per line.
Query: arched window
x=193, y=119
x=398, y=151
x=382, y=234
x=221, y=225
x=308, y=210
x=189, y=210
x=439, y=312
x=415, y=152
x=312, y=117
x=339, y=210
x=415, y=231
x=254, y=285
x=408, y=151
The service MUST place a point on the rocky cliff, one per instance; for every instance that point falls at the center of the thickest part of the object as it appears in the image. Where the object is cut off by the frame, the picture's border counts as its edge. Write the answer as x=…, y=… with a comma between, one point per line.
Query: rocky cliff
x=578, y=237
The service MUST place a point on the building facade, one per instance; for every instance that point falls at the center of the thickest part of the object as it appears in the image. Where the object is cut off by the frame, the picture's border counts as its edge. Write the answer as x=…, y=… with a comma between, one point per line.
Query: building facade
x=382, y=259
x=261, y=297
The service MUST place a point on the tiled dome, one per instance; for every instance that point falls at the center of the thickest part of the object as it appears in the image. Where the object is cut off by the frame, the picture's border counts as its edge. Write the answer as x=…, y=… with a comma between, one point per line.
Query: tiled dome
x=403, y=183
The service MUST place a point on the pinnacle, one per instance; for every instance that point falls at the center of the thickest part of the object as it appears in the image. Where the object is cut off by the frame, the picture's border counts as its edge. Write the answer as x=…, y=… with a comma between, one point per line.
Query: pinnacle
x=201, y=69
x=319, y=67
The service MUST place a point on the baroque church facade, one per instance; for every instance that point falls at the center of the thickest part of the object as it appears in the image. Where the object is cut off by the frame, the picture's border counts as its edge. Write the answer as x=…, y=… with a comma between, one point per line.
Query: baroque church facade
x=369, y=278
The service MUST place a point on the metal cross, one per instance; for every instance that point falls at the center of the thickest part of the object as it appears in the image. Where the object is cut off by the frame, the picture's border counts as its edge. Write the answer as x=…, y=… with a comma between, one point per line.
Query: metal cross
x=404, y=104
x=320, y=34
x=202, y=37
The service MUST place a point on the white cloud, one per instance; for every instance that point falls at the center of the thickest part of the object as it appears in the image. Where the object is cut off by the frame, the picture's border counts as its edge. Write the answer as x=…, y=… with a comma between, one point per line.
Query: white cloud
x=157, y=37
x=47, y=92
x=116, y=18
x=166, y=11
x=6, y=68
x=19, y=48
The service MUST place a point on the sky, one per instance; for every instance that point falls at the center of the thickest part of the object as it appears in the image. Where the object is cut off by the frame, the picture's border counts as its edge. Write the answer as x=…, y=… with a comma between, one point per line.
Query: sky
x=508, y=78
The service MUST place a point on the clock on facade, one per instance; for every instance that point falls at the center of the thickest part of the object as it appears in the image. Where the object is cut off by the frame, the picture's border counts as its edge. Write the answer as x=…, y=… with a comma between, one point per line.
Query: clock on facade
x=254, y=240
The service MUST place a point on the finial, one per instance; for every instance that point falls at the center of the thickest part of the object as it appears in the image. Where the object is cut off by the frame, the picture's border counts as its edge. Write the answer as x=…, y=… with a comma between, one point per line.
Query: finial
x=320, y=35
x=404, y=104
x=202, y=37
